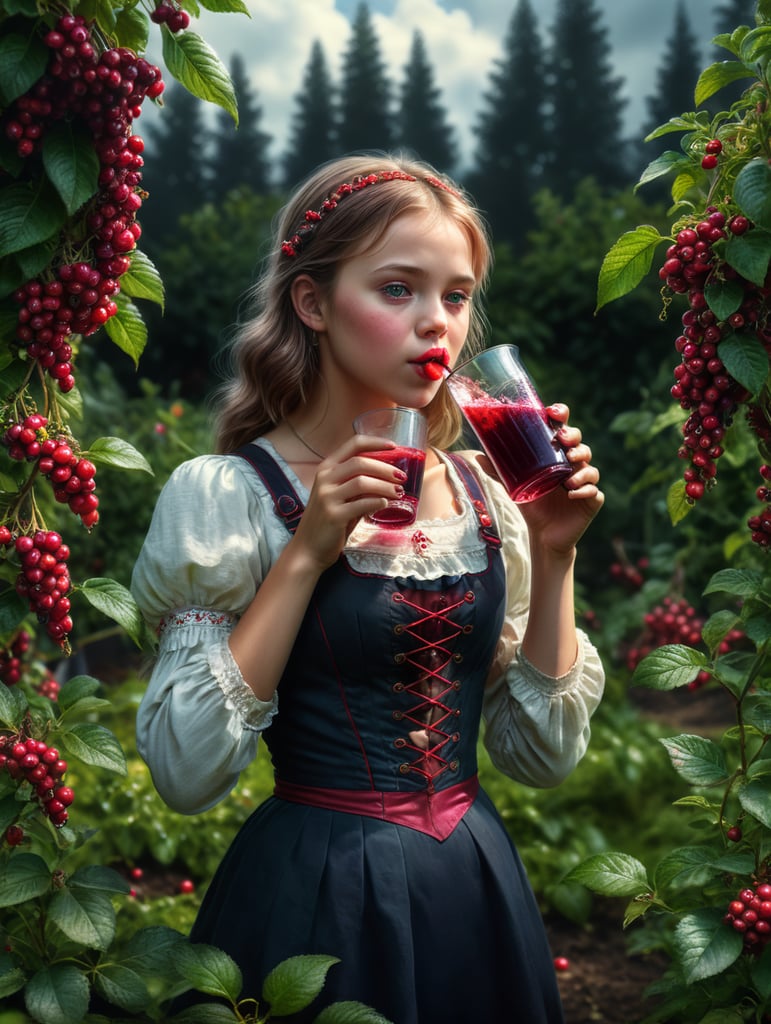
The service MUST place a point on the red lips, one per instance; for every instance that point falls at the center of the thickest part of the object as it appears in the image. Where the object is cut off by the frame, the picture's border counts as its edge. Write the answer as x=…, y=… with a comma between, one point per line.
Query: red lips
x=433, y=363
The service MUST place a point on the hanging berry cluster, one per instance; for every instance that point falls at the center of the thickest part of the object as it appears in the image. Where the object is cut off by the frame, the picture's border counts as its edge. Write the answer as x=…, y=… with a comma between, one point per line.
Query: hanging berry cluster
x=31, y=760
x=702, y=385
x=71, y=475
x=749, y=914
x=101, y=92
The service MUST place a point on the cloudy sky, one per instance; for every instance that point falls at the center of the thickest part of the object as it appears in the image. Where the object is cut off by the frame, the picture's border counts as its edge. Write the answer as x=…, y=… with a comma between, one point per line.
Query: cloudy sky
x=463, y=38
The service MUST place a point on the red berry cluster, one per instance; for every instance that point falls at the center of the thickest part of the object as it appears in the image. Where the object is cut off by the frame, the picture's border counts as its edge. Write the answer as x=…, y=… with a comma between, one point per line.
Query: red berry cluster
x=750, y=915
x=44, y=581
x=674, y=621
x=11, y=658
x=712, y=151
x=72, y=476
x=760, y=524
x=632, y=576
x=702, y=385
x=105, y=92
x=49, y=686
x=33, y=761
x=171, y=15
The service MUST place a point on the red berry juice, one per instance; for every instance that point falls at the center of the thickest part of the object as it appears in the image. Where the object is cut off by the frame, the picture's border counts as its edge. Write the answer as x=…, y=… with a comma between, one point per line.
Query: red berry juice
x=520, y=443
x=402, y=511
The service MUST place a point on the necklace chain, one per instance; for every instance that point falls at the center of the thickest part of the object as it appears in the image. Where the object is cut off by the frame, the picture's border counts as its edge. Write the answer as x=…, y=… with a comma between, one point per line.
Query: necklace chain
x=304, y=443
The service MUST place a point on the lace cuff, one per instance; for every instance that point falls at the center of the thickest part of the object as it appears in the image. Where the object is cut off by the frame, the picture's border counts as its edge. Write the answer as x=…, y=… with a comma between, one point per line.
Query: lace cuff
x=256, y=714
x=551, y=686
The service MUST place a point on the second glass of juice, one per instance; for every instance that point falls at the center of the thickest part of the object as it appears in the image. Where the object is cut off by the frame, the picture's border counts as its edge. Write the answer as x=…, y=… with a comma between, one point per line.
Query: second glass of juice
x=408, y=429
x=500, y=404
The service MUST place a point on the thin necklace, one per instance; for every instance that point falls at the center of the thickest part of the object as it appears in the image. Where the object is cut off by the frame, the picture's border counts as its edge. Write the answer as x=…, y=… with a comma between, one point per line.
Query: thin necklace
x=303, y=442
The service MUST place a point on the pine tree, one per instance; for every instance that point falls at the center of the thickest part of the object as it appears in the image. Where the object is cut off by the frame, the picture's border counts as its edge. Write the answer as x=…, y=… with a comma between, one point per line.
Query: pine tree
x=678, y=72
x=240, y=151
x=422, y=123
x=312, y=137
x=585, y=100
x=511, y=130
x=365, y=120
x=175, y=170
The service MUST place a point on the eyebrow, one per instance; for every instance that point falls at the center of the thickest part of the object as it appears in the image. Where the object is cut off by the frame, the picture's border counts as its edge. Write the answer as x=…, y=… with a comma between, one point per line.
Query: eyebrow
x=416, y=271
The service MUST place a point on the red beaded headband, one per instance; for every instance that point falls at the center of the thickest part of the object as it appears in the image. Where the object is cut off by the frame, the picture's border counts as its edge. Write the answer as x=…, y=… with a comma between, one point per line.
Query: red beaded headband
x=296, y=242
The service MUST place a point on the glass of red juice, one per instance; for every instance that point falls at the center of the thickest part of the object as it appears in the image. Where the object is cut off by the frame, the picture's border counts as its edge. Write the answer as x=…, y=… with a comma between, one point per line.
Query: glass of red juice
x=408, y=429
x=500, y=404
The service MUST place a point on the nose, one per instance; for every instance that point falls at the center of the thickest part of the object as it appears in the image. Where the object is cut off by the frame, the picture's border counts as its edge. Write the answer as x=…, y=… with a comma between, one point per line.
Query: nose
x=432, y=322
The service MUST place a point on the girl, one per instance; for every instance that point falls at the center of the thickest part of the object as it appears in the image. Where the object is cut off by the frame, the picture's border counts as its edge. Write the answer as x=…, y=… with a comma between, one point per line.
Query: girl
x=366, y=657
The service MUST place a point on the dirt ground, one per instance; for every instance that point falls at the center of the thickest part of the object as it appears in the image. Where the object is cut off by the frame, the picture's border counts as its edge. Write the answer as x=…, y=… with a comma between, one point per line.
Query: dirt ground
x=603, y=984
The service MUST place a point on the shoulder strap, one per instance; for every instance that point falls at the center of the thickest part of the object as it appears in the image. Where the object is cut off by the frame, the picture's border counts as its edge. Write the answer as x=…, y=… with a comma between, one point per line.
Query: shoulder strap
x=474, y=489
x=286, y=501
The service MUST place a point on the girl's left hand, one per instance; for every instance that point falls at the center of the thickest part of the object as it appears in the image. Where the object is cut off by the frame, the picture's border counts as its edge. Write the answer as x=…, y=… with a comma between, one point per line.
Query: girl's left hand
x=558, y=520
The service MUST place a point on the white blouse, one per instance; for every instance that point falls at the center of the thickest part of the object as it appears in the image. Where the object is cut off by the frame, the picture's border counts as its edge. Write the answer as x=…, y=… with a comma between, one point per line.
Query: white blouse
x=212, y=539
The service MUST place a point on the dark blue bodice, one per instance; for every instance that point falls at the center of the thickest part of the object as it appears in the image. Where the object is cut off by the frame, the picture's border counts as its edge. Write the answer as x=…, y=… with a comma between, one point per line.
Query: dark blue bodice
x=384, y=688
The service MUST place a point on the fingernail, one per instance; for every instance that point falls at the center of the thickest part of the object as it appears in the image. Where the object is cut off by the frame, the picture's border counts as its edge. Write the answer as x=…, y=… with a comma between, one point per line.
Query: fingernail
x=400, y=474
x=399, y=491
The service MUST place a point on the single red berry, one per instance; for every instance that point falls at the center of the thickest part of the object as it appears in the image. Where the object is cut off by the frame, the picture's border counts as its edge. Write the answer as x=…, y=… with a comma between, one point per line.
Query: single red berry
x=14, y=834
x=186, y=886
x=561, y=963
x=714, y=146
x=734, y=834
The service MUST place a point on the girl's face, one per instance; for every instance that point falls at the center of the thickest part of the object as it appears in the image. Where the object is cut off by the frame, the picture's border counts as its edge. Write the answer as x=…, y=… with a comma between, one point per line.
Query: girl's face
x=397, y=316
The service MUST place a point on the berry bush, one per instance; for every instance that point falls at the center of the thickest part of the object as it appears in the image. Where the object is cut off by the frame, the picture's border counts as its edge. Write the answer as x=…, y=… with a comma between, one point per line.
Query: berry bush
x=706, y=902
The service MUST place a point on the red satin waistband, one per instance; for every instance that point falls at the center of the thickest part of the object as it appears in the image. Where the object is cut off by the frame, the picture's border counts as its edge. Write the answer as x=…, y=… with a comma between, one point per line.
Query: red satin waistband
x=435, y=813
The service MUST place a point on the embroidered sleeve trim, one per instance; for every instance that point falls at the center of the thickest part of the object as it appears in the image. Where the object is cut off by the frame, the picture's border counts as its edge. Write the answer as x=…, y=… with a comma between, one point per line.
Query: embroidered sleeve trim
x=256, y=714
x=551, y=686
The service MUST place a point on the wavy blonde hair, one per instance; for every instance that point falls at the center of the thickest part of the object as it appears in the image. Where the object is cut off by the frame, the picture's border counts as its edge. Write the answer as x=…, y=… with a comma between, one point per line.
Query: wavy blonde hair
x=272, y=356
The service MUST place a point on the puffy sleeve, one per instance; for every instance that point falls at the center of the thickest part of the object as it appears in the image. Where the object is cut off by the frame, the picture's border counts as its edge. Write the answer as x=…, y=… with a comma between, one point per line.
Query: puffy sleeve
x=537, y=727
x=207, y=549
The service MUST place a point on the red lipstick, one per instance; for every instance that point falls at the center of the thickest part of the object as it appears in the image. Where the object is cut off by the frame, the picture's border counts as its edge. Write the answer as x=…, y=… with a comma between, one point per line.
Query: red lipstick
x=433, y=364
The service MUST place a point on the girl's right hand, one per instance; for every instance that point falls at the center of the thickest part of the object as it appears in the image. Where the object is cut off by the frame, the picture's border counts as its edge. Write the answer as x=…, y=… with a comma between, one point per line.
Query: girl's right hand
x=348, y=485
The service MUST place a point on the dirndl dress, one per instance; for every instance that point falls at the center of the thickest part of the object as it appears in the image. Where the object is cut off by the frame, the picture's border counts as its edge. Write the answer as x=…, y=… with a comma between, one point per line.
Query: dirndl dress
x=378, y=846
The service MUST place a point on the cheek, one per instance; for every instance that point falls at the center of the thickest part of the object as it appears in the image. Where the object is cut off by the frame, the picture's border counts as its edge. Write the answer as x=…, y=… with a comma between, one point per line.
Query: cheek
x=373, y=327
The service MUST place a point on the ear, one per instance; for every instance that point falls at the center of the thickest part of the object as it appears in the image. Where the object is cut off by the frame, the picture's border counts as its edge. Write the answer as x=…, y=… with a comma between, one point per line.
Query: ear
x=307, y=302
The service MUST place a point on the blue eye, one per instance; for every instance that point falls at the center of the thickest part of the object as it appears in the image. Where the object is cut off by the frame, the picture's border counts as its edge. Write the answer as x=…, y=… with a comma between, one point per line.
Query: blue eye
x=457, y=298
x=395, y=291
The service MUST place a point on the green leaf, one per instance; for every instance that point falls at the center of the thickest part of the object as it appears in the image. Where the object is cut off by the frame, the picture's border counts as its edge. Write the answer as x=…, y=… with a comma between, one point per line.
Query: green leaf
x=703, y=944
x=757, y=712
x=28, y=215
x=758, y=629
x=114, y=451
x=755, y=798
x=76, y=689
x=716, y=77
x=627, y=263
x=121, y=986
x=697, y=760
x=149, y=950
x=99, y=878
x=749, y=254
x=9, y=810
x=142, y=280
x=349, y=1012
x=669, y=666
x=58, y=994
x=132, y=27
x=717, y=627
x=684, y=867
x=71, y=163
x=723, y=297
x=744, y=583
x=191, y=60
x=206, y=1013
x=752, y=192
x=668, y=162
x=25, y=877
x=678, y=505
x=95, y=745
x=23, y=61
x=127, y=329
x=611, y=874
x=294, y=983
x=208, y=970
x=12, y=978
x=116, y=601
x=683, y=184
x=225, y=6
x=756, y=45
x=85, y=916
x=13, y=706
x=745, y=359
